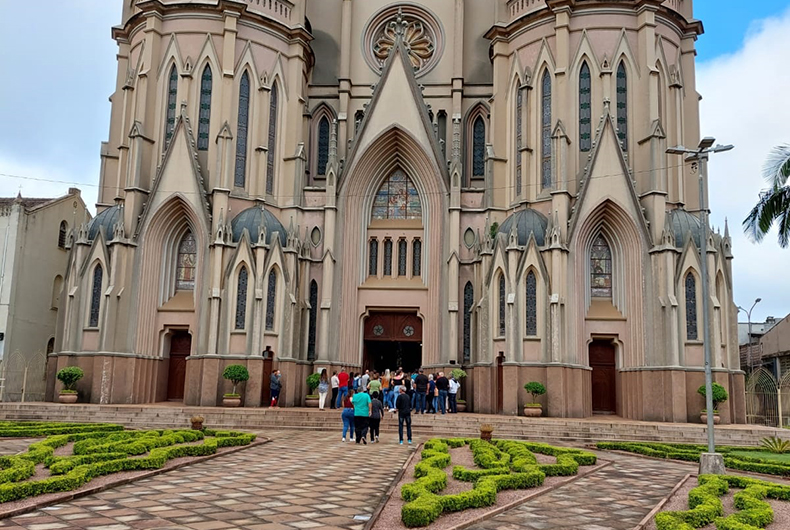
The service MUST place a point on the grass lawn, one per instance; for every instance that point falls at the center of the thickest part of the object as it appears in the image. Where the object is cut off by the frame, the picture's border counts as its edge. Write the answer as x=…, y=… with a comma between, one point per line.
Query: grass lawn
x=764, y=455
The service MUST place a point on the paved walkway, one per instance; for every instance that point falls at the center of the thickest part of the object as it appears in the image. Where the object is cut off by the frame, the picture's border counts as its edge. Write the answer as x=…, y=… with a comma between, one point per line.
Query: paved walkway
x=12, y=446
x=617, y=497
x=300, y=480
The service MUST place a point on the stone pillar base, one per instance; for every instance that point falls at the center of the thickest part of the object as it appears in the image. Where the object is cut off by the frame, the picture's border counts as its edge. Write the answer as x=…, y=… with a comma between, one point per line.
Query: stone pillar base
x=711, y=464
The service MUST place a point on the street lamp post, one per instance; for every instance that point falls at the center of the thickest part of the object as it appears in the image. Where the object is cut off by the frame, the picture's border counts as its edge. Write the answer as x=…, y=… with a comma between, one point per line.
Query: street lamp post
x=710, y=462
x=749, y=319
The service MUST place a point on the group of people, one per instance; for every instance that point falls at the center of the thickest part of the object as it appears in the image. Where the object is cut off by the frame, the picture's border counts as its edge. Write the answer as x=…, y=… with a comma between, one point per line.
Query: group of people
x=364, y=398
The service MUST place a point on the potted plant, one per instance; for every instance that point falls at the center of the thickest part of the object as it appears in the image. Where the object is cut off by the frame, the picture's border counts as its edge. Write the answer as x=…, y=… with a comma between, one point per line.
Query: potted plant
x=459, y=374
x=485, y=432
x=69, y=377
x=312, y=383
x=719, y=396
x=197, y=422
x=235, y=373
x=534, y=409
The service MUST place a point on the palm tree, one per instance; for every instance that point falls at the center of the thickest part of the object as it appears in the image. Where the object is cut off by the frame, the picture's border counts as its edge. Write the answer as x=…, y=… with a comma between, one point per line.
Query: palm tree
x=774, y=203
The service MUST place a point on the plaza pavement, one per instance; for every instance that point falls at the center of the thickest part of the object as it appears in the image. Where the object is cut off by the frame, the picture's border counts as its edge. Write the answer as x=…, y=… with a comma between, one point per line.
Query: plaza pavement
x=309, y=479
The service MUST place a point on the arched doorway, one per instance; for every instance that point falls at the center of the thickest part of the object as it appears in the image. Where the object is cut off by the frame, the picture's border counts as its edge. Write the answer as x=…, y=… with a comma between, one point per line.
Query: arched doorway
x=180, y=348
x=604, y=377
x=392, y=340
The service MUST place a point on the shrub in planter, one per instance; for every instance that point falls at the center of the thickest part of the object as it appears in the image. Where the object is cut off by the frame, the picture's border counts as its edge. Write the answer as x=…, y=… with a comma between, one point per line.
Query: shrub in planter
x=69, y=377
x=719, y=395
x=458, y=374
x=312, y=384
x=235, y=373
x=534, y=409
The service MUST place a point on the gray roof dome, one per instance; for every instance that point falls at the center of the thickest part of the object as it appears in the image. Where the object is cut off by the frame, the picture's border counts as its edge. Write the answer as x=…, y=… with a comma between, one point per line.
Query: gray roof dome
x=526, y=222
x=254, y=217
x=683, y=224
x=107, y=219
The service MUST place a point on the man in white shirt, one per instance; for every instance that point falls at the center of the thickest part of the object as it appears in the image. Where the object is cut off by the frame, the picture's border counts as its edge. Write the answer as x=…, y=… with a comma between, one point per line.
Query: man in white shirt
x=335, y=384
x=452, y=394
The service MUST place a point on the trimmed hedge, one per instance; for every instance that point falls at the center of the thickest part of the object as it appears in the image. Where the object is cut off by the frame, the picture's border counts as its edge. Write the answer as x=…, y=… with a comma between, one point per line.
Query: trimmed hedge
x=691, y=453
x=33, y=429
x=503, y=464
x=103, y=453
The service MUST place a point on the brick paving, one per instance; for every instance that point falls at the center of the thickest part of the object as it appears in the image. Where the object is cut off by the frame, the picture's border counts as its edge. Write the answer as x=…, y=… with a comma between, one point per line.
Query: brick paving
x=617, y=497
x=300, y=480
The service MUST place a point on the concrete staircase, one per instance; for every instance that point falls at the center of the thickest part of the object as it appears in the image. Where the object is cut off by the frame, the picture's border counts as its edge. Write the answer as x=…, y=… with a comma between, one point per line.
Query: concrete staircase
x=159, y=416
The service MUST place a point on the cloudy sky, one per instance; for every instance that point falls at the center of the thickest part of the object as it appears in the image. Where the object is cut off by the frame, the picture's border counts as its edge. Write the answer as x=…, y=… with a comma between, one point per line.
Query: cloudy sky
x=58, y=69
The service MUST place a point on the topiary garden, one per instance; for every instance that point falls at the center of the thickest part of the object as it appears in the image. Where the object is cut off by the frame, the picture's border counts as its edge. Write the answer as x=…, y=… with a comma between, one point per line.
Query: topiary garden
x=97, y=450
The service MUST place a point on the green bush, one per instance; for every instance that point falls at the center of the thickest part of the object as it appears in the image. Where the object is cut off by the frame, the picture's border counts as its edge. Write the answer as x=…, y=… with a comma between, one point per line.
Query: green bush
x=776, y=445
x=312, y=382
x=236, y=373
x=536, y=389
x=69, y=376
x=31, y=429
x=457, y=373
x=719, y=394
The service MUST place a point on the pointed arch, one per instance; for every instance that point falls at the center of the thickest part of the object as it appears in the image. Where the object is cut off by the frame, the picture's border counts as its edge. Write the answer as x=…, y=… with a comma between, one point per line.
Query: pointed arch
x=57, y=289
x=271, y=152
x=622, y=104
x=322, y=118
x=171, y=98
x=62, y=234
x=585, y=107
x=311, y=328
x=690, y=291
x=545, y=130
x=501, y=301
x=531, y=286
x=271, y=298
x=242, y=124
x=476, y=132
x=469, y=300
x=397, y=198
x=96, y=295
x=186, y=260
x=204, y=113
x=600, y=268
x=241, y=298
x=518, y=136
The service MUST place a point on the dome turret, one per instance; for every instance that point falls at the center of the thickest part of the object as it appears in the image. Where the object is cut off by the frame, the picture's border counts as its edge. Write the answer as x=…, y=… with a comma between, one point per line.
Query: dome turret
x=252, y=219
x=683, y=223
x=105, y=219
x=526, y=222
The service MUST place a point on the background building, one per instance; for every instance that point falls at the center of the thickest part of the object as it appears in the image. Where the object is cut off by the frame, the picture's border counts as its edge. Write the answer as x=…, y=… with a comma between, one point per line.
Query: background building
x=34, y=243
x=371, y=184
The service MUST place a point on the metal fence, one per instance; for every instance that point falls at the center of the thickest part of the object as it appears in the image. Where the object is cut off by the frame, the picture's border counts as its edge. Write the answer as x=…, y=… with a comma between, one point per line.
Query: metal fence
x=768, y=399
x=23, y=376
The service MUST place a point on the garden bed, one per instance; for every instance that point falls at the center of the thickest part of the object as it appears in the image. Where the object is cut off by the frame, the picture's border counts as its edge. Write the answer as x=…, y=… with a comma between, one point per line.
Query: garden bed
x=736, y=508
x=464, y=504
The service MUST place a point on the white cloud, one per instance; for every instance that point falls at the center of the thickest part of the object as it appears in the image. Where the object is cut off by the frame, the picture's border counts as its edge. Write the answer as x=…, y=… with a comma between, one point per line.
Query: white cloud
x=745, y=103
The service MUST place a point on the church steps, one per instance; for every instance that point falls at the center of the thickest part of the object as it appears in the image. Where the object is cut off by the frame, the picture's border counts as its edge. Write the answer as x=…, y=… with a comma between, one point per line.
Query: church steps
x=557, y=429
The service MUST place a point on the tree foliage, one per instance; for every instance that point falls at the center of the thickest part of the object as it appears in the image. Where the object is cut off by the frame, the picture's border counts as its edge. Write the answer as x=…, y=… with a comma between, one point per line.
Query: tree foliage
x=773, y=205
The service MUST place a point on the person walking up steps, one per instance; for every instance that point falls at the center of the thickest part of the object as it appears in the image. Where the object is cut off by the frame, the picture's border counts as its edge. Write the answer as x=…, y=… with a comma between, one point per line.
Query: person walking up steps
x=348, y=417
x=361, y=403
x=376, y=413
x=403, y=404
x=274, y=386
x=421, y=391
x=335, y=385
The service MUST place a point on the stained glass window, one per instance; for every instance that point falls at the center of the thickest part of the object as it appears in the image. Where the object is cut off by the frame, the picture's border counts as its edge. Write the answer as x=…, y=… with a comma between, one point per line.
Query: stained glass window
x=387, y=257
x=313, y=319
x=501, y=305
x=622, y=106
x=416, y=255
x=170, y=118
x=402, y=250
x=240, y=175
x=373, y=258
x=469, y=300
x=397, y=198
x=545, y=145
x=323, y=146
x=272, y=139
x=187, y=260
x=691, y=307
x=271, y=297
x=601, y=268
x=62, y=234
x=519, y=127
x=204, y=117
x=532, y=304
x=96, y=297
x=241, y=299
x=585, y=108
x=479, y=148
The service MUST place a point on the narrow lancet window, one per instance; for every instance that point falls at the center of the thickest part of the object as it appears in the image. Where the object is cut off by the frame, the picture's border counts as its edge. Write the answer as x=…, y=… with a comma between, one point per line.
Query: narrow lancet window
x=402, y=251
x=469, y=299
x=241, y=299
x=545, y=144
x=313, y=319
x=532, y=304
x=271, y=153
x=691, y=307
x=479, y=148
x=519, y=127
x=501, y=305
x=170, y=115
x=204, y=118
x=601, y=269
x=240, y=174
x=387, y=257
x=271, y=298
x=622, y=106
x=416, y=265
x=96, y=291
x=585, y=108
x=323, y=146
x=373, y=258
x=187, y=261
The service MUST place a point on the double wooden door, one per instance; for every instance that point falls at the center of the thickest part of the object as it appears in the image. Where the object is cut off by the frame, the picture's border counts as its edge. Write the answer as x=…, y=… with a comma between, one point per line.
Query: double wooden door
x=604, y=377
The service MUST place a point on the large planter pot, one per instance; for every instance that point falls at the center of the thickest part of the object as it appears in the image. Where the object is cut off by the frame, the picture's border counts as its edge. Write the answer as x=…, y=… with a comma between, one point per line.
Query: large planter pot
x=486, y=435
x=67, y=397
x=703, y=418
x=197, y=425
x=460, y=407
x=231, y=401
x=533, y=412
x=311, y=401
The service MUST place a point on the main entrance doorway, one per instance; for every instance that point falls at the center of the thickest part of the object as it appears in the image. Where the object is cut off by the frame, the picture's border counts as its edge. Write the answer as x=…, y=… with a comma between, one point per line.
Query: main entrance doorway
x=392, y=340
x=180, y=348
x=604, y=377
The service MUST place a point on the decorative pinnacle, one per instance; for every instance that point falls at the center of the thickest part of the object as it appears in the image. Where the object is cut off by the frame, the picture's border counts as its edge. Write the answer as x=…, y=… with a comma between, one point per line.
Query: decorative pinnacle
x=399, y=26
x=456, y=155
x=333, y=142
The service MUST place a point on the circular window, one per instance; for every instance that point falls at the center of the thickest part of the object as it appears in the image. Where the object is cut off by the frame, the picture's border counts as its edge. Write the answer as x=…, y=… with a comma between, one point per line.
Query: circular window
x=422, y=32
x=408, y=331
x=378, y=330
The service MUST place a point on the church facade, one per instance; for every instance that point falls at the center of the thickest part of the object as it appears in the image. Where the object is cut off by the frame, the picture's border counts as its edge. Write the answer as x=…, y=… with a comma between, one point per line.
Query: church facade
x=303, y=184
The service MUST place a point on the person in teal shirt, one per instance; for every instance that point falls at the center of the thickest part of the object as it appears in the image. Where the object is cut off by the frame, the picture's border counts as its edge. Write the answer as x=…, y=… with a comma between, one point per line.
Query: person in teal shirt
x=361, y=401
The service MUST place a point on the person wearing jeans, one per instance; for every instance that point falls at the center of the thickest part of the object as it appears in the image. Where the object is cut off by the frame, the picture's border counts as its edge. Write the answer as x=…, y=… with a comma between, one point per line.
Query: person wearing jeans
x=452, y=394
x=348, y=417
x=342, y=390
x=403, y=404
x=443, y=385
x=421, y=391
